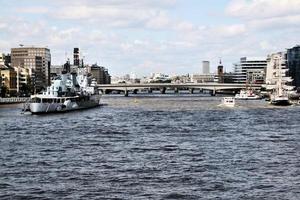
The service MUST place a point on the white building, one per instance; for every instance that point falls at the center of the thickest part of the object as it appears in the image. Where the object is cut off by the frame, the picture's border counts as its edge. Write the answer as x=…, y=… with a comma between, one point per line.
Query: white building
x=202, y=78
x=250, y=70
x=205, y=67
x=159, y=77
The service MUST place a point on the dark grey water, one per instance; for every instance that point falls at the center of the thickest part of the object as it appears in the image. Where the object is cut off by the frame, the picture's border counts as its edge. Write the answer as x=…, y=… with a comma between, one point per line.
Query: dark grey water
x=152, y=148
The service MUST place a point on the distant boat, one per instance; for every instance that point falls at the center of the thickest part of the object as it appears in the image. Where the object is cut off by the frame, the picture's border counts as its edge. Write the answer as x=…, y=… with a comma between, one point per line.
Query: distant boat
x=247, y=95
x=228, y=102
x=280, y=101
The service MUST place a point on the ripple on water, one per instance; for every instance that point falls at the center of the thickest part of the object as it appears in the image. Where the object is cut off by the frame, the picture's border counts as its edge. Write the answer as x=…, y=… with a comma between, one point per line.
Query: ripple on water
x=169, y=147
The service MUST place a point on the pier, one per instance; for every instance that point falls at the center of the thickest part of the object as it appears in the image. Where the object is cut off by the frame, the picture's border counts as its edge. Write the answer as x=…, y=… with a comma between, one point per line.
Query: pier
x=162, y=87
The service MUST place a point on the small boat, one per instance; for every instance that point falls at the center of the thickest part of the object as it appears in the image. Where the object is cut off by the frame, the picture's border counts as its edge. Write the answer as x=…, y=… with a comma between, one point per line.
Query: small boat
x=280, y=101
x=228, y=101
x=247, y=95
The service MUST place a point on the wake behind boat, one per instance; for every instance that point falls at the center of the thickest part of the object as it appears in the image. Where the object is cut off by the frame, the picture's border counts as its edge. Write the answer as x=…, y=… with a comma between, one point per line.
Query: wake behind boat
x=67, y=92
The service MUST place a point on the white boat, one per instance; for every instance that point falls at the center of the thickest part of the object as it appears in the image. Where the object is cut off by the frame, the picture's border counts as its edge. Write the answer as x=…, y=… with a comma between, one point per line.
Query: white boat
x=228, y=101
x=279, y=95
x=247, y=95
x=67, y=92
x=280, y=101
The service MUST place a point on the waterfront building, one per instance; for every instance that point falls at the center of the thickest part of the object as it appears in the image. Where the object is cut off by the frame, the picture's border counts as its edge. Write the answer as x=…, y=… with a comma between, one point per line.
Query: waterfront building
x=293, y=63
x=57, y=70
x=37, y=60
x=127, y=79
x=8, y=80
x=100, y=73
x=159, y=78
x=181, y=79
x=205, y=67
x=5, y=59
x=202, y=78
x=228, y=77
x=250, y=70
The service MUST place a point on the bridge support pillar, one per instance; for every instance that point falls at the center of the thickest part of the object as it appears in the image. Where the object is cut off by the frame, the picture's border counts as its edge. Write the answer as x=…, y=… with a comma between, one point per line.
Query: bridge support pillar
x=213, y=92
x=163, y=90
x=191, y=90
x=176, y=90
x=126, y=93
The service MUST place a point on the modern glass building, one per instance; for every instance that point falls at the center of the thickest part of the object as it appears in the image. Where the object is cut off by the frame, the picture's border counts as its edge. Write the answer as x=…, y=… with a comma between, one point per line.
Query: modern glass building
x=293, y=62
x=250, y=70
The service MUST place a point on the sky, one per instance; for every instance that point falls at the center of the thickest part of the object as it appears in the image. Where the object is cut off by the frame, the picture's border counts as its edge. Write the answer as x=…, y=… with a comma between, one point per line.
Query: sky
x=152, y=36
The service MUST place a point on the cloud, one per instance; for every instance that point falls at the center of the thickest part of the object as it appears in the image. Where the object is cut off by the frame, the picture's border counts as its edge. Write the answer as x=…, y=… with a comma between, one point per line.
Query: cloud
x=158, y=21
x=32, y=10
x=3, y=25
x=62, y=37
x=151, y=35
x=290, y=21
x=261, y=9
x=266, y=14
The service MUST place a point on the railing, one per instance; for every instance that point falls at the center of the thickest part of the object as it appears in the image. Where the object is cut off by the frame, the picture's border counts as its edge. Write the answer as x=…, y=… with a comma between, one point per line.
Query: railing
x=14, y=100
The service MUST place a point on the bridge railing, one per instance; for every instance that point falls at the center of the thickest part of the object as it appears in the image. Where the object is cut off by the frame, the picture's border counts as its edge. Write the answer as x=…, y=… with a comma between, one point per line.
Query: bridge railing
x=14, y=99
x=122, y=85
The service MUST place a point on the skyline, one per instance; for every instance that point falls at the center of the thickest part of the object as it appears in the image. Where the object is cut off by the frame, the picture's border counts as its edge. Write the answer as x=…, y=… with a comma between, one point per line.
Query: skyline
x=166, y=36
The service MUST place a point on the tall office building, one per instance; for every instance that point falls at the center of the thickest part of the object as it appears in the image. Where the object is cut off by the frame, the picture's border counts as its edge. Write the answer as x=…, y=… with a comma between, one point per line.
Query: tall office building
x=293, y=62
x=37, y=60
x=76, y=60
x=250, y=70
x=205, y=67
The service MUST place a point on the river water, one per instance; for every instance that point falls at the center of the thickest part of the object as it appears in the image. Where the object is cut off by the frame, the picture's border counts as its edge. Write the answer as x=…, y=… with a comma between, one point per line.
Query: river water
x=152, y=147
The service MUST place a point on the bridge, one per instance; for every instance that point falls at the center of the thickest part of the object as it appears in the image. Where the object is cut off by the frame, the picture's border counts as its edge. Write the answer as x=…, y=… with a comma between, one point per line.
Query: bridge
x=212, y=87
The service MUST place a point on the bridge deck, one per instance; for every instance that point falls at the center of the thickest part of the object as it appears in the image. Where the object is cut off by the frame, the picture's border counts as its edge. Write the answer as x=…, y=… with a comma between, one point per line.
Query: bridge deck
x=212, y=86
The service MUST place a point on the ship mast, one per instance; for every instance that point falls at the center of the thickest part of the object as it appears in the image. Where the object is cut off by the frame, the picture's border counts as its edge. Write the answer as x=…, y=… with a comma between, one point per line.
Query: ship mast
x=279, y=81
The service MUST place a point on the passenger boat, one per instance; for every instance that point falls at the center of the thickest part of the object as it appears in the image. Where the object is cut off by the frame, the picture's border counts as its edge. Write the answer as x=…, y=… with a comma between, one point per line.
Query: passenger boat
x=247, y=95
x=67, y=92
x=228, y=102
